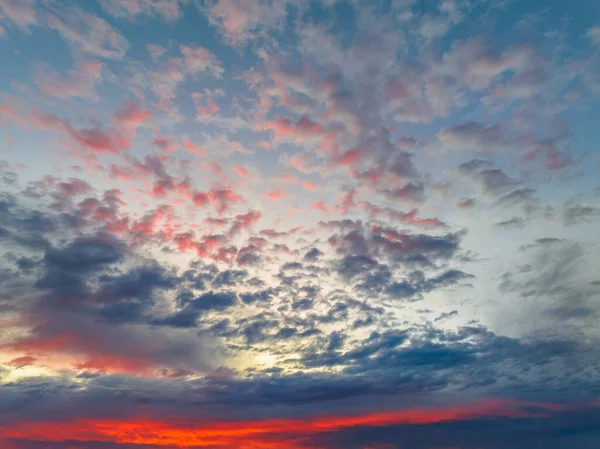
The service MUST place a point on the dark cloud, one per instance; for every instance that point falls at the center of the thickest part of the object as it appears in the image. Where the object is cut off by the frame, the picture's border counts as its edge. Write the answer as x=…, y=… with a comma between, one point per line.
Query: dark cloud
x=193, y=307
x=493, y=182
x=558, y=430
x=229, y=278
x=312, y=255
x=214, y=301
x=410, y=192
x=417, y=284
x=575, y=213
x=515, y=222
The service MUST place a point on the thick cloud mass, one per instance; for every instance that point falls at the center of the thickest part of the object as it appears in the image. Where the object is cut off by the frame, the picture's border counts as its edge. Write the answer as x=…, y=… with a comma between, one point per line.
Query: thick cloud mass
x=276, y=224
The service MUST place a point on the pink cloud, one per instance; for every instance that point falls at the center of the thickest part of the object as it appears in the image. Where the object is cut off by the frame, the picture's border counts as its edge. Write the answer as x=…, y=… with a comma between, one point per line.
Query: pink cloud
x=304, y=129
x=221, y=198
x=273, y=234
x=199, y=59
x=286, y=178
x=185, y=242
x=245, y=221
x=21, y=12
x=319, y=206
x=201, y=199
x=86, y=32
x=215, y=169
x=302, y=162
x=240, y=20
x=553, y=158
x=219, y=222
x=276, y=194
x=224, y=198
x=350, y=157
x=10, y=112
x=79, y=81
x=206, y=108
x=169, y=10
x=131, y=116
x=348, y=202
x=243, y=173
x=191, y=147
x=73, y=187
x=22, y=362
x=165, y=144
x=309, y=185
x=96, y=140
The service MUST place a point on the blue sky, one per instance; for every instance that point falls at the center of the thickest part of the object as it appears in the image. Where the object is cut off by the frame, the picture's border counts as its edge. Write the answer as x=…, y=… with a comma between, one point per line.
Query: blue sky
x=299, y=224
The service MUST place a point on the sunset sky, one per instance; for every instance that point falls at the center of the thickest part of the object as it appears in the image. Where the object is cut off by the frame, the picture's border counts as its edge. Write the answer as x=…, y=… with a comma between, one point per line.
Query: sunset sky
x=299, y=224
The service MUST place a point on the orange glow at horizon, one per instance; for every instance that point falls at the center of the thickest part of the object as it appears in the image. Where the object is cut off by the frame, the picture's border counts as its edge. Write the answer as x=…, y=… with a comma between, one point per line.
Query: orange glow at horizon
x=266, y=434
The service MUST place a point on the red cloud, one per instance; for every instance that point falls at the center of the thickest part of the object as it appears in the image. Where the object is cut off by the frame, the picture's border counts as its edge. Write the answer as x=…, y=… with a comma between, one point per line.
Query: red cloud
x=22, y=362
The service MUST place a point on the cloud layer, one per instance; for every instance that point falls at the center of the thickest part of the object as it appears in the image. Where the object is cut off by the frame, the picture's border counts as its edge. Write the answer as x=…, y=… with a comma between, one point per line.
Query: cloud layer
x=291, y=224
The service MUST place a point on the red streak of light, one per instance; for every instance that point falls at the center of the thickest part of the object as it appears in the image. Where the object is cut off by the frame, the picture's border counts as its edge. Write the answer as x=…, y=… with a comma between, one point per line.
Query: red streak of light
x=266, y=434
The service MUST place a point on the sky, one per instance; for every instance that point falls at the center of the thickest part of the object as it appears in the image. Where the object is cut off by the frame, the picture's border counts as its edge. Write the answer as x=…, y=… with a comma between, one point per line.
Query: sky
x=299, y=224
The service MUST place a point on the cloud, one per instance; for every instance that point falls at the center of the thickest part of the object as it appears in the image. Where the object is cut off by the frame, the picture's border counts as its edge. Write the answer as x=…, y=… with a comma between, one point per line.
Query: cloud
x=80, y=81
x=492, y=182
x=297, y=226
x=23, y=14
x=575, y=212
x=131, y=115
x=240, y=21
x=96, y=139
x=112, y=348
x=276, y=194
x=169, y=10
x=86, y=32
x=594, y=34
x=553, y=279
x=473, y=136
x=198, y=59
